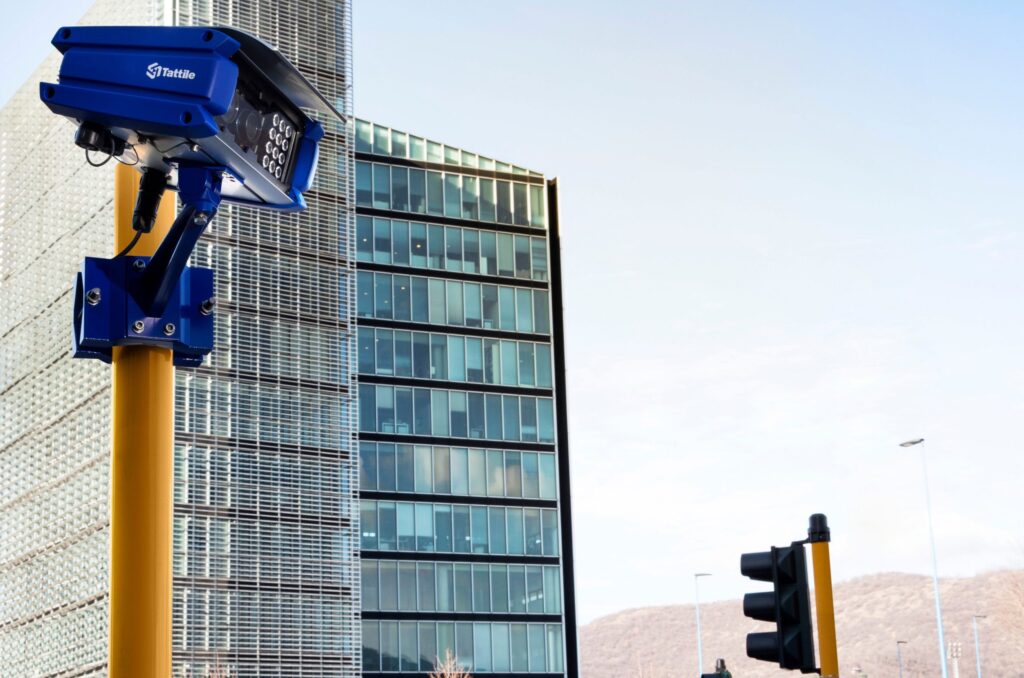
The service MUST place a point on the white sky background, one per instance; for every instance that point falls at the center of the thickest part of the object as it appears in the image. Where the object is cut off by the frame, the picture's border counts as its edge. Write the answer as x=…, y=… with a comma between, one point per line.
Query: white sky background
x=792, y=239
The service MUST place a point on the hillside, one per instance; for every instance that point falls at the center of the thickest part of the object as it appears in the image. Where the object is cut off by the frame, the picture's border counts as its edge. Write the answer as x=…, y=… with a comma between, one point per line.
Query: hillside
x=871, y=613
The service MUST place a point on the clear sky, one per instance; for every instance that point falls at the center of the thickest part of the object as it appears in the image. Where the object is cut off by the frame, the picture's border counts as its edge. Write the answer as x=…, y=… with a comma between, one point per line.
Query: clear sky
x=792, y=239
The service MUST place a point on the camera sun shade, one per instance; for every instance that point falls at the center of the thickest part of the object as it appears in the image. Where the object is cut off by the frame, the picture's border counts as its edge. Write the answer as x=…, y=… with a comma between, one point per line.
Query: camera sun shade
x=213, y=97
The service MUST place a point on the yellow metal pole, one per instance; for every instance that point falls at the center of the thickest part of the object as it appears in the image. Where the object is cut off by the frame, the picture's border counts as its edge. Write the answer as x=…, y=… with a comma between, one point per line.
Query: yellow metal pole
x=142, y=465
x=825, y=610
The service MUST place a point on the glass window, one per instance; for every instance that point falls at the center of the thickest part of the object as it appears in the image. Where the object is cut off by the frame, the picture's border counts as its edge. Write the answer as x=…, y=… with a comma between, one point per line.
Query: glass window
x=536, y=205
x=424, y=474
x=539, y=258
x=364, y=285
x=388, y=526
x=403, y=308
x=435, y=246
x=442, y=470
x=524, y=310
x=364, y=184
x=504, y=202
x=439, y=425
x=477, y=472
x=385, y=409
x=479, y=517
x=385, y=345
x=488, y=253
x=445, y=588
x=543, y=356
x=420, y=300
x=456, y=312
x=482, y=646
x=417, y=191
x=421, y=411
x=421, y=355
x=364, y=137
x=471, y=250
x=399, y=144
x=389, y=646
x=517, y=588
x=407, y=586
x=514, y=533
x=474, y=359
x=435, y=193
x=470, y=198
x=425, y=578
x=510, y=416
x=382, y=295
x=495, y=472
x=513, y=474
x=445, y=639
x=463, y=587
x=534, y=589
x=552, y=591
x=487, y=210
x=481, y=589
x=520, y=656
x=493, y=407
x=461, y=532
x=519, y=201
x=507, y=299
x=526, y=364
x=388, y=478
x=477, y=420
x=407, y=634
x=438, y=310
x=381, y=186
x=554, y=648
x=458, y=409
x=428, y=646
x=418, y=239
x=531, y=476
x=499, y=588
x=424, y=530
x=400, y=242
x=367, y=350
x=400, y=189
x=403, y=353
x=531, y=521
x=417, y=149
x=490, y=306
x=368, y=466
x=367, y=407
x=545, y=421
x=506, y=257
x=364, y=239
x=368, y=525
x=497, y=529
x=509, y=363
x=439, y=356
x=381, y=140
x=443, y=531
x=452, y=196
x=499, y=647
x=528, y=418
x=453, y=248
x=371, y=646
x=460, y=470
x=451, y=155
x=434, y=152
x=522, y=256
x=468, y=159
x=549, y=522
x=456, y=358
x=464, y=645
x=540, y=312
x=406, y=469
x=538, y=653
x=492, y=361
x=472, y=303
x=548, y=479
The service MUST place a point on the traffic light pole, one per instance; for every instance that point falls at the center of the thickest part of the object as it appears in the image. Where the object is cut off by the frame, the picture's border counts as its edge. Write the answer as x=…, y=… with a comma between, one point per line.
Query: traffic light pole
x=818, y=536
x=142, y=472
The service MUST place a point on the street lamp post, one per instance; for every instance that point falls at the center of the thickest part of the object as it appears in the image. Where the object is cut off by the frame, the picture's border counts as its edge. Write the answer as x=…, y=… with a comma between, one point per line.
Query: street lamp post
x=899, y=655
x=977, y=646
x=935, y=565
x=696, y=598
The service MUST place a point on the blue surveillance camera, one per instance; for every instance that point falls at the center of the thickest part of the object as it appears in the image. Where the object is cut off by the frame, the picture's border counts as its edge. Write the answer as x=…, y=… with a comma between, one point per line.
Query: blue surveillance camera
x=213, y=113
x=213, y=97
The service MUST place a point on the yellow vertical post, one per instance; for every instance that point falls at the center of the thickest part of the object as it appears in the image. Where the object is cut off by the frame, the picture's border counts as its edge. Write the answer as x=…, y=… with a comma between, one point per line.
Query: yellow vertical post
x=819, y=536
x=142, y=465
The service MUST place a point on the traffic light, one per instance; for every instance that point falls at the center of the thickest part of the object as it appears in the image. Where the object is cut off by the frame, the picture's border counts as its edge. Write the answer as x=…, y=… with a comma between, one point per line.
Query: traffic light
x=788, y=605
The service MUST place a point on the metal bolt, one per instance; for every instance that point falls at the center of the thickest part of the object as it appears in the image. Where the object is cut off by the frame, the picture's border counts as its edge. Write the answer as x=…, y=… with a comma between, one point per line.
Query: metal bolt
x=193, y=147
x=201, y=219
x=138, y=264
x=206, y=308
x=93, y=296
x=138, y=326
x=169, y=329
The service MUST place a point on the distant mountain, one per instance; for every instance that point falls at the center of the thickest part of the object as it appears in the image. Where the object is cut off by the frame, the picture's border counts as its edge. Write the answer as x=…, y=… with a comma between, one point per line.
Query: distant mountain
x=871, y=614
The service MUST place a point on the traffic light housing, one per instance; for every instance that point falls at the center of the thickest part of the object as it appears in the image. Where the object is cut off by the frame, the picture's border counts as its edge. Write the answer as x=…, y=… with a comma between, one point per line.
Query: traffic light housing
x=788, y=605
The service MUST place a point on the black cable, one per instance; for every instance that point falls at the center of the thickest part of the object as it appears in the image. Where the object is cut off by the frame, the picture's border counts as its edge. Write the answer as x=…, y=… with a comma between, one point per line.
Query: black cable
x=88, y=159
x=130, y=164
x=126, y=250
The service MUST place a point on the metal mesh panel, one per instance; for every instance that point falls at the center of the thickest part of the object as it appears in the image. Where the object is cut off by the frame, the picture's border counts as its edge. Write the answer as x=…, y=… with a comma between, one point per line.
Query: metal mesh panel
x=265, y=478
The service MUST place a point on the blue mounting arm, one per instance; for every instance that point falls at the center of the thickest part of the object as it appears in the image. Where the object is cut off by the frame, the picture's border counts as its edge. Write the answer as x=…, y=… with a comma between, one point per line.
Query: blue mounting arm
x=158, y=300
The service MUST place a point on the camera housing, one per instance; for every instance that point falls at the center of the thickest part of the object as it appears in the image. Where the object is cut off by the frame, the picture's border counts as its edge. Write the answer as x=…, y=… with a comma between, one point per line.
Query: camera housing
x=218, y=97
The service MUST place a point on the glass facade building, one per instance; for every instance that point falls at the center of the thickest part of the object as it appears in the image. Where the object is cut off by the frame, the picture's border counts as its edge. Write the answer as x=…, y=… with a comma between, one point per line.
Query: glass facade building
x=465, y=523
x=266, y=560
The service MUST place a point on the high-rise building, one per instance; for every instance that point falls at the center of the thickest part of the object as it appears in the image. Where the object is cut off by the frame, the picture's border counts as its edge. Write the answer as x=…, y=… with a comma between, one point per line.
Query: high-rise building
x=266, y=565
x=464, y=477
